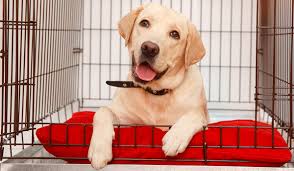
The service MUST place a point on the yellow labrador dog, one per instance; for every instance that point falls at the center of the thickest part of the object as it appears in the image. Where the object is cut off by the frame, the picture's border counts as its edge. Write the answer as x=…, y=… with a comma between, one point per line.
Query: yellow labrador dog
x=163, y=45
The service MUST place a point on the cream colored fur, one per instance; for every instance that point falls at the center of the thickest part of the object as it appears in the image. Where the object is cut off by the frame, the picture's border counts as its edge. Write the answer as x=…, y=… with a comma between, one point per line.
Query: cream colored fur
x=184, y=107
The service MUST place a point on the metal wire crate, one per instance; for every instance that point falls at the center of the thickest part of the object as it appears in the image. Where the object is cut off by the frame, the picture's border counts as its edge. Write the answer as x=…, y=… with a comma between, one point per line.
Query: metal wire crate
x=55, y=56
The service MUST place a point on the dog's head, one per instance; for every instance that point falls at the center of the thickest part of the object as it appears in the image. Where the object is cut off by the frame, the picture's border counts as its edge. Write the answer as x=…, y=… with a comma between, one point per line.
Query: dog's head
x=162, y=44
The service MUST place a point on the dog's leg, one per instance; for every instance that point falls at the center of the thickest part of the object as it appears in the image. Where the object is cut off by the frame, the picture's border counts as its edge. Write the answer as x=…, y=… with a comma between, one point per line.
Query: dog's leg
x=100, y=151
x=178, y=137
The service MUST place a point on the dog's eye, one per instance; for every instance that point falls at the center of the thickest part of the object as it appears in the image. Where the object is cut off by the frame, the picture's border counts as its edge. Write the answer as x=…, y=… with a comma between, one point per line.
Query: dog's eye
x=145, y=23
x=174, y=34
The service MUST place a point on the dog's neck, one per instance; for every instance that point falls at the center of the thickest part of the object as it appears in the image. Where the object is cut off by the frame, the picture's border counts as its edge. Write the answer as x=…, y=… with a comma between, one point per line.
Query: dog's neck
x=131, y=84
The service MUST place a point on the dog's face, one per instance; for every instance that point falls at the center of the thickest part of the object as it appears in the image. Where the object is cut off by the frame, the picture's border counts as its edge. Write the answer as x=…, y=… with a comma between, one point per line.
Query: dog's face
x=161, y=42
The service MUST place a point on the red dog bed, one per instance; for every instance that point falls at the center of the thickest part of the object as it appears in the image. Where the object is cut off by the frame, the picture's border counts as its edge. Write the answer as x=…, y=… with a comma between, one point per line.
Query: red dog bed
x=79, y=132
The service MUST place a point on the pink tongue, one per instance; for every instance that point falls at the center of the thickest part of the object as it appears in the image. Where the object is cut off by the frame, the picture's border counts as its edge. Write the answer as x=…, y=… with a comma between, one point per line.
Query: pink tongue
x=145, y=72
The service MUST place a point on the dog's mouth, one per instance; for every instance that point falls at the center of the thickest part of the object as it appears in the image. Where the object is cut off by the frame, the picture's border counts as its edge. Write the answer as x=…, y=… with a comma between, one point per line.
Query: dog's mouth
x=144, y=72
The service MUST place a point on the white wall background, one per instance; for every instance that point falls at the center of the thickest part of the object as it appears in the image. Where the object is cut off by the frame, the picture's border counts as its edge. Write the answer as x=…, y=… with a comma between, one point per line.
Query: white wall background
x=227, y=28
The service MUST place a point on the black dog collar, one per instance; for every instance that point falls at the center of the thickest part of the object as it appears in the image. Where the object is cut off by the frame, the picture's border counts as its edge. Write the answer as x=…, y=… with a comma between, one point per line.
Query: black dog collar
x=131, y=84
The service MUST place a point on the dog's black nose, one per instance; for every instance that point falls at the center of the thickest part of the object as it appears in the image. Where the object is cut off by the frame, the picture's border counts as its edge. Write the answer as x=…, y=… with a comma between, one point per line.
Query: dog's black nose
x=149, y=49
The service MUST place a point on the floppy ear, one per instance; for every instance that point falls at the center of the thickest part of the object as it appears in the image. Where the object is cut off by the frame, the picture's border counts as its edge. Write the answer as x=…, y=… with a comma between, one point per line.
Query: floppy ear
x=194, y=47
x=125, y=25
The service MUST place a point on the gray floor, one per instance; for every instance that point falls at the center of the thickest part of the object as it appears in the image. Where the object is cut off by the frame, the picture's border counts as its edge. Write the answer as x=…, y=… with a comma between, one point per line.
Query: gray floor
x=81, y=167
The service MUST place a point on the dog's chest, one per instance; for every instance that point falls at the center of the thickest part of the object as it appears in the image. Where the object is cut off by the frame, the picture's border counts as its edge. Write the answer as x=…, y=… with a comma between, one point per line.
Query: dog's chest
x=135, y=106
x=161, y=109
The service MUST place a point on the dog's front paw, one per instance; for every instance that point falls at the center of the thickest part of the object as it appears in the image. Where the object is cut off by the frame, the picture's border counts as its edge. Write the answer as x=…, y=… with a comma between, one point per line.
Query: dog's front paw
x=100, y=153
x=176, y=140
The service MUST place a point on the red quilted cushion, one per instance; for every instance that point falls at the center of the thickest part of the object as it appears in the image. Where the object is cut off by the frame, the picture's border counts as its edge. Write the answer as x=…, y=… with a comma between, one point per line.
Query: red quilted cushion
x=79, y=131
